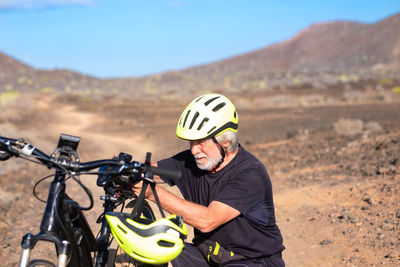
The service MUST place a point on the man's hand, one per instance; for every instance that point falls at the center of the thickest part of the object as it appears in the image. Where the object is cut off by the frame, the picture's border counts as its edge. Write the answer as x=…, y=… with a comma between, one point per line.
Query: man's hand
x=137, y=188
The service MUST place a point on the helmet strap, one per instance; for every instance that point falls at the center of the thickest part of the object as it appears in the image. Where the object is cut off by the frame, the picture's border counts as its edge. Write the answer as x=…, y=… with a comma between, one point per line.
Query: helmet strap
x=140, y=200
x=135, y=214
x=222, y=151
x=153, y=188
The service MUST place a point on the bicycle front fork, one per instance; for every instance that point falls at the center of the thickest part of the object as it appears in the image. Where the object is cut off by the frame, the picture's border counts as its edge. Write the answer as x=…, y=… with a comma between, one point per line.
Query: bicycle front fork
x=29, y=241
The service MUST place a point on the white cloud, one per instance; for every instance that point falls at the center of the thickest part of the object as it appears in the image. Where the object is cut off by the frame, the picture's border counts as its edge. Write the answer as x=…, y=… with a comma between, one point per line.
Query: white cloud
x=39, y=4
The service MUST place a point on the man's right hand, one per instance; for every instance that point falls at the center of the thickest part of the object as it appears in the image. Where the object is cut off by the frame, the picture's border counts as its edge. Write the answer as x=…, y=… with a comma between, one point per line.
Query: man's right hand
x=137, y=188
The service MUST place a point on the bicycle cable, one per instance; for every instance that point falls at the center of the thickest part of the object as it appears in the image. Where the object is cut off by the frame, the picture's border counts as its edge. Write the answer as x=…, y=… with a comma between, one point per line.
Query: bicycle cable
x=87, y=191
x=37, y=184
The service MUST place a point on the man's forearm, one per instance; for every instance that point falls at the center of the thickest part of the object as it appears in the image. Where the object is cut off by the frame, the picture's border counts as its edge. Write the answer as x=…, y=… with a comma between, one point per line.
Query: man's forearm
x=193, y=214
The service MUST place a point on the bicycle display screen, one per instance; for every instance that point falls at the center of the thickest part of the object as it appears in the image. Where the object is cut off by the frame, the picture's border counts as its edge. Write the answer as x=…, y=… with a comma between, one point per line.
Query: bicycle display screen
x=68, y=141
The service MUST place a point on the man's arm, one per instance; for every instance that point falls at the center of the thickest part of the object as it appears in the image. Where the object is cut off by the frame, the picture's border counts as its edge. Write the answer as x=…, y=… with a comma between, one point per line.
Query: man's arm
x=201, y=217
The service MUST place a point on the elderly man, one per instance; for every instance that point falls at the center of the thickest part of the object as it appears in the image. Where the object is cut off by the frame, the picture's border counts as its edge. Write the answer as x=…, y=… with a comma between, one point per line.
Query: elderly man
x=227, y=191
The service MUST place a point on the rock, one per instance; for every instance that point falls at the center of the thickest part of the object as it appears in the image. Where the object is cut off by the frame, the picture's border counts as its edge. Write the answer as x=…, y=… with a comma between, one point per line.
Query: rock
x=325, y=242
x=387, y=227
x=380, y=236
x=346, y=215
x=398, y=214
x=367, y=200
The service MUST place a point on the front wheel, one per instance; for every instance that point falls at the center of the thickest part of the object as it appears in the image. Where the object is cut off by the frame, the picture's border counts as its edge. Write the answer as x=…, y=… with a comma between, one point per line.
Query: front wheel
x=40, y=262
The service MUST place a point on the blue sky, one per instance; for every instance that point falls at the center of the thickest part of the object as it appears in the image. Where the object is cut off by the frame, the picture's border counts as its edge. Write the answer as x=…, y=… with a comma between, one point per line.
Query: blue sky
x=120, y=38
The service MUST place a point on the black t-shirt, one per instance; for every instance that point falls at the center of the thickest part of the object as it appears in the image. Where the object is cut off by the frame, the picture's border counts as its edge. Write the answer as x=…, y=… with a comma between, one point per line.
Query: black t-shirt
x=243, y=184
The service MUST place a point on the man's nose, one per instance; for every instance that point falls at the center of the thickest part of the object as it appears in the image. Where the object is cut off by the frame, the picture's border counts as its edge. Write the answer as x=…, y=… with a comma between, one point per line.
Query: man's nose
x=194, y=148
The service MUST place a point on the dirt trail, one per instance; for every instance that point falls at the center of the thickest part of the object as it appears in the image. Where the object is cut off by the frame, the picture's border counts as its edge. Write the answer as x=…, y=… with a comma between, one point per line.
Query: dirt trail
x=68, y=119
x=336, y=195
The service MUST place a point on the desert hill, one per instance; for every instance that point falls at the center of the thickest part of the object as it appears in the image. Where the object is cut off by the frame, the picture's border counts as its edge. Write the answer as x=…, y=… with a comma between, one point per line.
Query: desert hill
x=317, y=57
x=9, y=65
x=331, y=45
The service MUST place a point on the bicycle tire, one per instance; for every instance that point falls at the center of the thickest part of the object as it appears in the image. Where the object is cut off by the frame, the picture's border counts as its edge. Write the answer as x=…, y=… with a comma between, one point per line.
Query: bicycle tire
x=40, y=262
x=118, y=258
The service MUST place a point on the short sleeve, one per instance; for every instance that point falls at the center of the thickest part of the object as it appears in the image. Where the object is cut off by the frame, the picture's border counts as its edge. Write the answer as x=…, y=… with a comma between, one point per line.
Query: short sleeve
x=171, y=164
x=244, y=191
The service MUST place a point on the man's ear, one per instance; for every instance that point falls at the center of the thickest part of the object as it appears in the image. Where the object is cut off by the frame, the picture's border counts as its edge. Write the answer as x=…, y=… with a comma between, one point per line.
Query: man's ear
x=225, y=145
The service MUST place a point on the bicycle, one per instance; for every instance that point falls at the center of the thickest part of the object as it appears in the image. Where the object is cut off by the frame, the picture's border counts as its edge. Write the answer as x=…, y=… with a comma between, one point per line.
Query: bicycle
x=63, y=222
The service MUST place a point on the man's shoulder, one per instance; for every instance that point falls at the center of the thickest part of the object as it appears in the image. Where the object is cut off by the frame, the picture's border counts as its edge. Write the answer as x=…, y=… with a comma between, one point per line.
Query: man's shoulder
x=246, y=159
x=175, y=160
x=183, y=155
x=186, y=162
x=247, y=165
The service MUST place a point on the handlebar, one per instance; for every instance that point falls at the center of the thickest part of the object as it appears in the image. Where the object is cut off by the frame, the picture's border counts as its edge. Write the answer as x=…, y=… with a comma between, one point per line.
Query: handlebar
x=17, y=147
x=170, y=174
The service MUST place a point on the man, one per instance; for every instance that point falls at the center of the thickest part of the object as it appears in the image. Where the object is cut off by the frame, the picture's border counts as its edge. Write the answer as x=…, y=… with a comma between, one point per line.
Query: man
x=227, y=191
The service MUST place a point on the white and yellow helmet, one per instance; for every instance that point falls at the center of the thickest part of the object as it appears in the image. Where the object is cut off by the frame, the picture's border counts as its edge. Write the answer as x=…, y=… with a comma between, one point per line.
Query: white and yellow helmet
x=207, y=116
x=155, y=243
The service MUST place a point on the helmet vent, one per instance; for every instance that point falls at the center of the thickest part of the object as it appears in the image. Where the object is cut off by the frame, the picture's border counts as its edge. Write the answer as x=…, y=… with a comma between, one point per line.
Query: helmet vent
x=122, y=229
x=234, y=114
x=218, y=107
x=198, y=99
x=166, y=244
x=212, y=129
x=202, y=123
x=184, y=121
x=210, y=100
x=196, y=115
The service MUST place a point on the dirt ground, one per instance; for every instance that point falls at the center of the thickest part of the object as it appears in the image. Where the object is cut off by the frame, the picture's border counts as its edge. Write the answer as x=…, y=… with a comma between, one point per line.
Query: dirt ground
x=335, y=169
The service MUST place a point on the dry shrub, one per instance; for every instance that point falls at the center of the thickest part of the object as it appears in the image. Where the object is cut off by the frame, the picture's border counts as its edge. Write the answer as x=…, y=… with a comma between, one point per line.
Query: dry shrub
x=348, y=127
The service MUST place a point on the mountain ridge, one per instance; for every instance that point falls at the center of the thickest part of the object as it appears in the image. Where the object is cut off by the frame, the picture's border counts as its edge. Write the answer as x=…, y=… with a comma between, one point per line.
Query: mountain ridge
x=343, y=30
x=9, y=64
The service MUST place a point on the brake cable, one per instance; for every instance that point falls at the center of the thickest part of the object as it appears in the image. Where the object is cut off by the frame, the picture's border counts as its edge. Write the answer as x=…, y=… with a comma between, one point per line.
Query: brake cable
x=37, y=184
x=77, y=180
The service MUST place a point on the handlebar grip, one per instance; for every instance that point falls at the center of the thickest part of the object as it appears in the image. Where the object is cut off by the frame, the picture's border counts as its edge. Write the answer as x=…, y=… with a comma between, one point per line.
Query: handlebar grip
x=169, y=174
x=4, y=155
x=3, y=147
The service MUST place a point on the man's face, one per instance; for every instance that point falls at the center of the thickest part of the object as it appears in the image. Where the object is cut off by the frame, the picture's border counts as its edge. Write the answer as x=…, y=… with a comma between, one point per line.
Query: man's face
x=206, y=153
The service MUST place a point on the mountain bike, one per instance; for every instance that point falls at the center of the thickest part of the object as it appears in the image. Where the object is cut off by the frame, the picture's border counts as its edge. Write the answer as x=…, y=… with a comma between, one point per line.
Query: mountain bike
x=63, y=222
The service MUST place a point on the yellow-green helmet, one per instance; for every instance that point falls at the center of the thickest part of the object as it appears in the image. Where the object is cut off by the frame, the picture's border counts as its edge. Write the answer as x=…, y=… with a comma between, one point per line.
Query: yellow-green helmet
x=155, y=243
x=207, y=116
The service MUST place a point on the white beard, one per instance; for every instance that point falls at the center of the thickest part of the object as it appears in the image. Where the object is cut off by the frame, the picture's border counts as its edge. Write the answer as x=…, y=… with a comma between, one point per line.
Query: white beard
x=209, y=164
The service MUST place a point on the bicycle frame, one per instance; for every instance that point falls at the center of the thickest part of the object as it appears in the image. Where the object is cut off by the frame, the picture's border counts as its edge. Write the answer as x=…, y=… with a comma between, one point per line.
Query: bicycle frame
x=62, y=215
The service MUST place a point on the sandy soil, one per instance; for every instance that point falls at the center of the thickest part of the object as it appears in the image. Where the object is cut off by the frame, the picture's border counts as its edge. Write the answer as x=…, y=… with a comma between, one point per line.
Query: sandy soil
x=335, y=169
